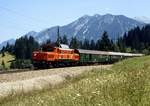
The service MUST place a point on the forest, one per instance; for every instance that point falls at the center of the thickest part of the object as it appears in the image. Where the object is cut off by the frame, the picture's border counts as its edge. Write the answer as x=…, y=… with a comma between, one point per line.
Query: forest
x=136, y=40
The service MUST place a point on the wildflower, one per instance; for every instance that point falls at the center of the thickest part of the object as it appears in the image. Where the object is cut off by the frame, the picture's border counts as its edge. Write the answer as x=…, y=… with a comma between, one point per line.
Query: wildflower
x=97, y=79
x=93, y=92
x=53, y=98
x=78, y=94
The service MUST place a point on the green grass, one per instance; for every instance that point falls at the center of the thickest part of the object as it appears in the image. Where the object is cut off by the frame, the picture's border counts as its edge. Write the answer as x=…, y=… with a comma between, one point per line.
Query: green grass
x=7, y=59
x=126, y=84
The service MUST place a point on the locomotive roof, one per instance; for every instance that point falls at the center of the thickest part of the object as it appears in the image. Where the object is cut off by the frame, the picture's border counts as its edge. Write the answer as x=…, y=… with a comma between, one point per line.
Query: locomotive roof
x=64, y=46
x=82, y=51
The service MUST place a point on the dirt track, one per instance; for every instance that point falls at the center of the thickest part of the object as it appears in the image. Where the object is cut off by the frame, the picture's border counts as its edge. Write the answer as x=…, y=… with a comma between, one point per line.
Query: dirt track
x=24, y=82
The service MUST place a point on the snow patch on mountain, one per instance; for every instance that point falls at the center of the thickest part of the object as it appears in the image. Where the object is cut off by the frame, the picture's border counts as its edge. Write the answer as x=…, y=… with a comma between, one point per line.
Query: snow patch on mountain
x=143, y=19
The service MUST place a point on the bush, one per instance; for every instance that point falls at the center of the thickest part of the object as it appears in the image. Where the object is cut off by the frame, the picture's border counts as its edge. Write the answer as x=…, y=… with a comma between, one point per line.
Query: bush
x=145, y=51
x=3, y=64
x=21, y=64
x=1, y=68
x=3, y=54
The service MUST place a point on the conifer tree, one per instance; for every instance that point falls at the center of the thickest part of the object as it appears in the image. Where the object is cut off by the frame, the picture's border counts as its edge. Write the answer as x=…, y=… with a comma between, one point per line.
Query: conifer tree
x=59, y=39
x=86, y=44
x=65, y=40
x=24, y=47
x=74, y=44
x=104, y=43
x=92, y=45
x=121, y=45
x=3, y=54
x=3, y=63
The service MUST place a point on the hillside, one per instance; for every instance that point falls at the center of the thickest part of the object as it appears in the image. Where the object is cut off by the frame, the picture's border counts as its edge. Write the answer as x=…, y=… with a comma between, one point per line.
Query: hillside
x=126, y=84
x=7, y=59
x=10, y=41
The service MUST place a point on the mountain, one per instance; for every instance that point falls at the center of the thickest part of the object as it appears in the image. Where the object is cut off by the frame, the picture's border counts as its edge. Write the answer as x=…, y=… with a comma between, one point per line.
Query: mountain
x=10, y=41
x=143, y=19
x=90, y=27
x=31, y=33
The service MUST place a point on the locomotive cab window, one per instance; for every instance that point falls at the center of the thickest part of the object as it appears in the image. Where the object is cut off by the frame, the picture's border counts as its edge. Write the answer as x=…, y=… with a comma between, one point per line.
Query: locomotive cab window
x=47, y=48
x=50, y=49
x=76, y=51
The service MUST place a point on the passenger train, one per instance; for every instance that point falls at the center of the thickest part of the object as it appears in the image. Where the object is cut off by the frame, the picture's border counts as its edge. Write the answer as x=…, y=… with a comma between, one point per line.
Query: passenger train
x=51, y=56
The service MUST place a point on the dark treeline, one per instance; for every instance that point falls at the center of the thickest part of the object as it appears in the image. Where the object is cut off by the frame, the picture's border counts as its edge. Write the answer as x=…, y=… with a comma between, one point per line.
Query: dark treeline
x=104, y=43
x=22, y=49
x=136, y=40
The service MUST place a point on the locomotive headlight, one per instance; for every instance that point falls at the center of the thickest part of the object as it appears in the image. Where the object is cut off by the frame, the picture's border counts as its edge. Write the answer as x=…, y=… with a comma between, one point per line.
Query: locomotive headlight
x=35, y=54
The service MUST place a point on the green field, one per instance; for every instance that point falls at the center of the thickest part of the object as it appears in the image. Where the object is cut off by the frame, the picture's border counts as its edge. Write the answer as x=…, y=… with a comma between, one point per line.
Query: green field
x=126, y=84
x=7, y=59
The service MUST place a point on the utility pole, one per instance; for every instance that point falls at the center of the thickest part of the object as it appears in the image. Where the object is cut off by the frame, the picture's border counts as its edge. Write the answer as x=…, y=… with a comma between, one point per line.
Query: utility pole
x=58, y=37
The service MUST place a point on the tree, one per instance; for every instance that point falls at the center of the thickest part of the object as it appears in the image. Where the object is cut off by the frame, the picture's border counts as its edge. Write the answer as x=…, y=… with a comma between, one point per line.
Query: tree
x=116, y=48
x=59, y=39
x=65, y=40
x=86, y=44
x=21, y=64
x=3, y=49
x=138, y=40
x=48, y=41
x=7, y=47
x=80, y=45
x=31, y=46
x=97, y=46
x=92, y=45
x=24, y=47
x=3, y=54
x=104, y=43
x=121, y=45
x=3, y=63
x=74, y=44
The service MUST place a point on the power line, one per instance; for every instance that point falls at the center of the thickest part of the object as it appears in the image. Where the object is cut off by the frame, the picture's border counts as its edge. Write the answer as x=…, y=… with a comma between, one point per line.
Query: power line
x=11, y=24
x=26, y=23
x=20, y=14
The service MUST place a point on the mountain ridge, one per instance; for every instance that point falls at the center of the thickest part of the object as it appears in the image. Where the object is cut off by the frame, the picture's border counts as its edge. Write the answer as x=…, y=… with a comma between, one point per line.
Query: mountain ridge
x=89, y=27
x=92, y=27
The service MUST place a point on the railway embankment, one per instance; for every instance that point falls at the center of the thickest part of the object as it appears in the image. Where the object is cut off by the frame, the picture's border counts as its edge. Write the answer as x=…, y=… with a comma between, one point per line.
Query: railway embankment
x=28, y=81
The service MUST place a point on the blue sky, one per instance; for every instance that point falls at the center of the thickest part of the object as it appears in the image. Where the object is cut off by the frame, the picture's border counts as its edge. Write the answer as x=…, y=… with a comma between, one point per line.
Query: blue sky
x=18, y=17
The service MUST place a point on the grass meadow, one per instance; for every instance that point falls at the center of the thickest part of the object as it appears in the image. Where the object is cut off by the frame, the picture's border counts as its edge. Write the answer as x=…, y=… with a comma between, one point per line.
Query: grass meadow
x=127, y=83
x=7, y=60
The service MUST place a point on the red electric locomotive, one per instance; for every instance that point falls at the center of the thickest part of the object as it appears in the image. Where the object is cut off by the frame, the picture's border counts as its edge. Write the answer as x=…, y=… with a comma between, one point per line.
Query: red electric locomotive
x=55, y=56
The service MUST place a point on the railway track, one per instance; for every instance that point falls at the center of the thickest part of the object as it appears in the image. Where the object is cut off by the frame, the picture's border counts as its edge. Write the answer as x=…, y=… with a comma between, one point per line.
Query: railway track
x=14, y=71
x=18, y=83
x=12, y=76
x=26, y=70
